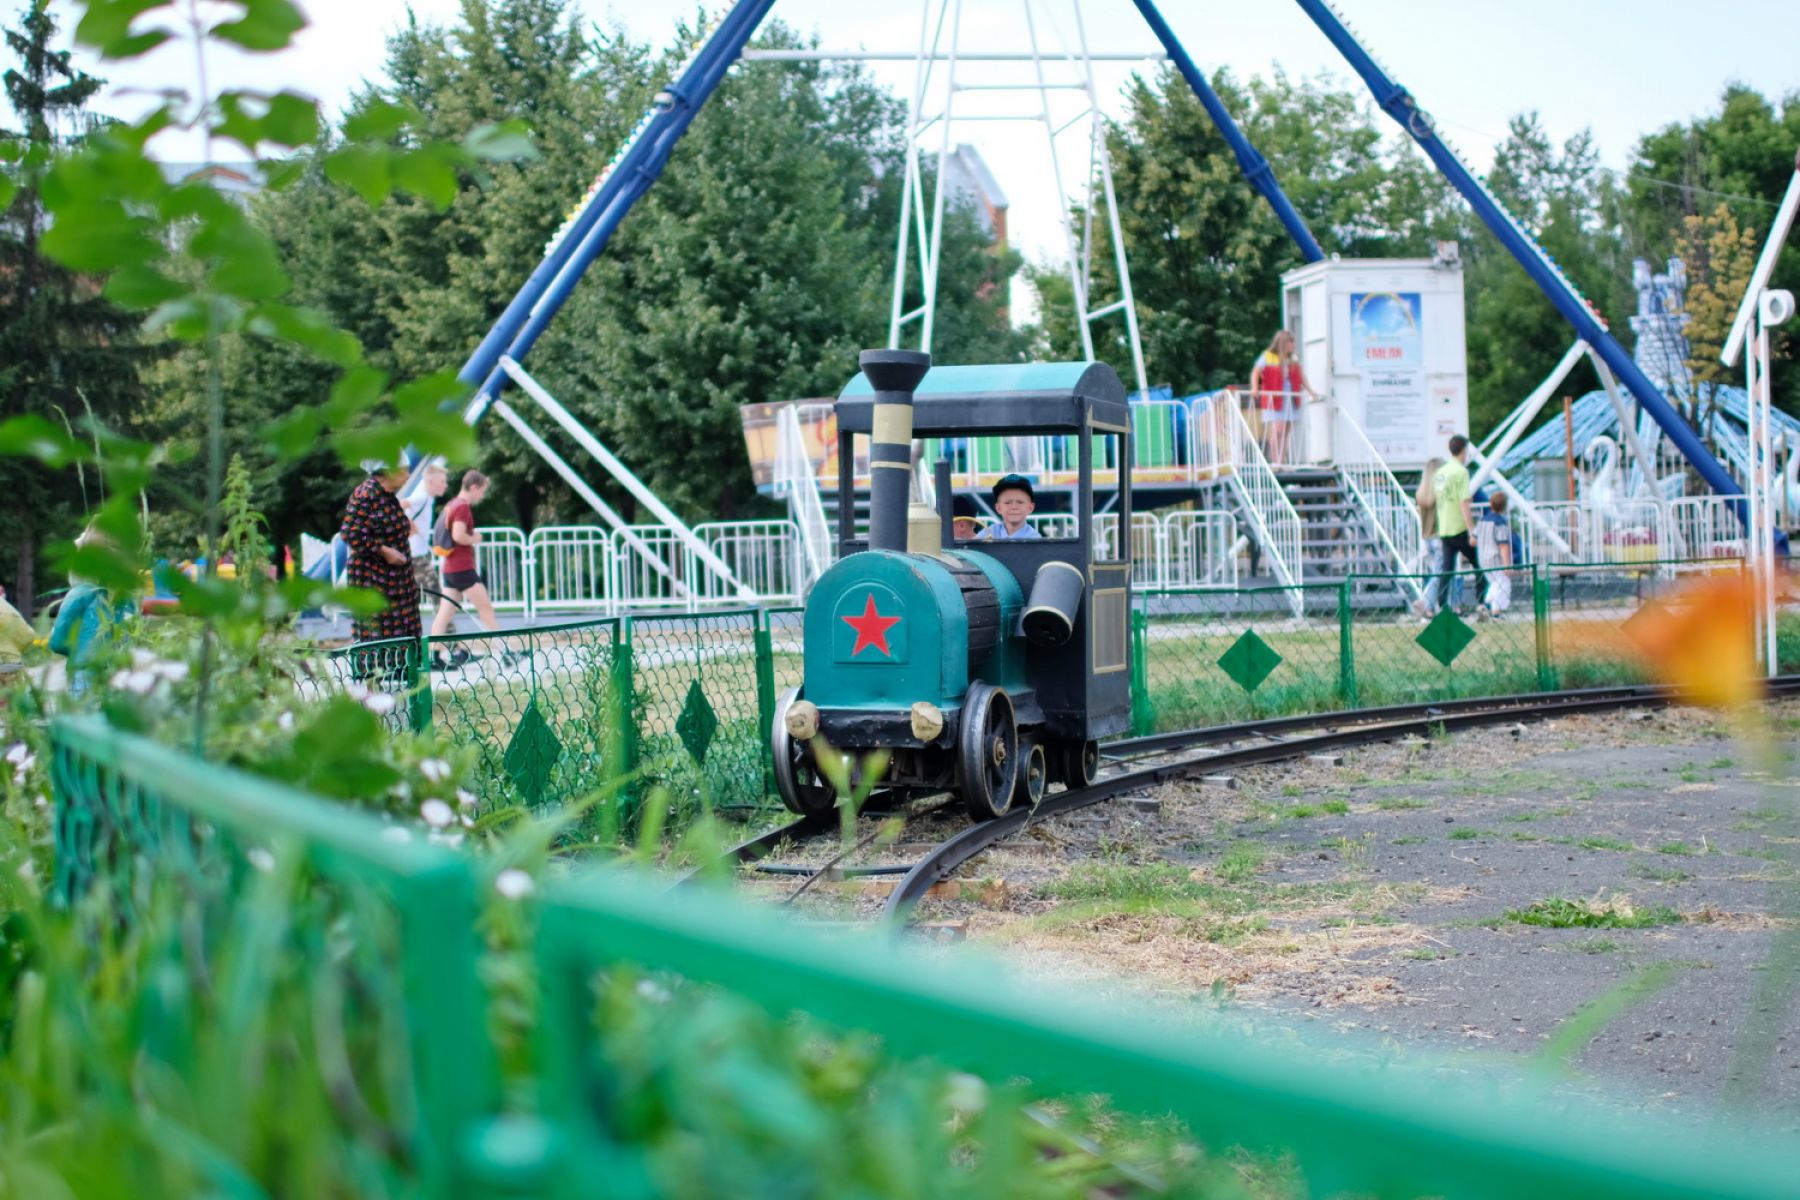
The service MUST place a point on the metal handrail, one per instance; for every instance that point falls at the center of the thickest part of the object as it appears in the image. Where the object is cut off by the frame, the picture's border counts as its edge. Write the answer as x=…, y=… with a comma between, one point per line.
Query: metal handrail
x=1390, y=513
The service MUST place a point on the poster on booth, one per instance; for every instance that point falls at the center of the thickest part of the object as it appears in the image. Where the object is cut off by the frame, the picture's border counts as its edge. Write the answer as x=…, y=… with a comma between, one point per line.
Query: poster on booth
x=1387, y=345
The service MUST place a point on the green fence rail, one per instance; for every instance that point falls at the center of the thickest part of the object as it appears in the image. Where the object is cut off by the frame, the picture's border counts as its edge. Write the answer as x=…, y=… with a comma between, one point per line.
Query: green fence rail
x=685, y=700
x=129, y=812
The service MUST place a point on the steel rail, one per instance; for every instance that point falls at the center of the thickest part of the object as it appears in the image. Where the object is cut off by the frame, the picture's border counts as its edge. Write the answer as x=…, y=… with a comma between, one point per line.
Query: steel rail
x=967, y=844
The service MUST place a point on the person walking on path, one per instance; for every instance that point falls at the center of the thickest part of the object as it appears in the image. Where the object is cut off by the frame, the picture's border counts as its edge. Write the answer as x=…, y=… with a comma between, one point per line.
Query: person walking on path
x=1493, y=543
x=1455, y=519
x=462, y=579
x=419, y=510
x=1426, y=499
x=1279, y=385
x=377, y=532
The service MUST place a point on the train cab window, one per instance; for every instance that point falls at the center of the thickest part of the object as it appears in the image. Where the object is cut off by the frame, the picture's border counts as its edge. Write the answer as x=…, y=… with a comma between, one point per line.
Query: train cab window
x=1108, y=476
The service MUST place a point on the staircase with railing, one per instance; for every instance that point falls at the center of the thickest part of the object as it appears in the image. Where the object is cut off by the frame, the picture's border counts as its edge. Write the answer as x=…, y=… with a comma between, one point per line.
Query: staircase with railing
x=795, y=479
x=1226, y=452
x=1389, y=513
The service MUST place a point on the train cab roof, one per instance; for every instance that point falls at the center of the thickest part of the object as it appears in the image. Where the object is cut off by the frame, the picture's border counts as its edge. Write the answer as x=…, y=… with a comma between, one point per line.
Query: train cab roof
x=1008, y=398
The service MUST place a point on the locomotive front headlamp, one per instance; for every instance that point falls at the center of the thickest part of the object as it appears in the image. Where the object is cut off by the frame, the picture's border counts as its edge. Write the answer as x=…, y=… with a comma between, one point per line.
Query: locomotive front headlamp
x=927, y=721
x=802, y=720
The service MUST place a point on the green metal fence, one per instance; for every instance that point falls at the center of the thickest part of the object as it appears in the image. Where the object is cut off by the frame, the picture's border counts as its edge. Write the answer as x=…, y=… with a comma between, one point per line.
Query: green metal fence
x=130, y=813
x=686, y=700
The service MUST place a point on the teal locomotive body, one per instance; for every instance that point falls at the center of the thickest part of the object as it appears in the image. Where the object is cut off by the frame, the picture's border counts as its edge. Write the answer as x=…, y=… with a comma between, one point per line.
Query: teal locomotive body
x=986, y=668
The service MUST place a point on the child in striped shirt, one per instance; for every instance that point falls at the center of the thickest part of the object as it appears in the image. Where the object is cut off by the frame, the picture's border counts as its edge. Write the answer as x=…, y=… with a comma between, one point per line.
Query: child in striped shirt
x=1493, y=548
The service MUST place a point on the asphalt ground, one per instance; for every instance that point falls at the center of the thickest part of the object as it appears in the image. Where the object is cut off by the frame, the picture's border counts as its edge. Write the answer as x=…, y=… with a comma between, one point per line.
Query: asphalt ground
x=1393, y=898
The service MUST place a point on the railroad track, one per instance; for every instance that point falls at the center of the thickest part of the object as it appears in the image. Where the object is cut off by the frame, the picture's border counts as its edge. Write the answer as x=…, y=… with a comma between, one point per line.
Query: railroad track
x=1220, y=750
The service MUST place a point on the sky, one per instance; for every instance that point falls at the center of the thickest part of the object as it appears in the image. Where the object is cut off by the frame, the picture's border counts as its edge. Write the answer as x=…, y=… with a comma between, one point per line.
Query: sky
x=1619, y=67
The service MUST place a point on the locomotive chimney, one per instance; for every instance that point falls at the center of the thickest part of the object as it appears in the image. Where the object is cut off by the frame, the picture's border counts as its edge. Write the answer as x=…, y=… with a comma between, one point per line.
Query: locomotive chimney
x=893, y=374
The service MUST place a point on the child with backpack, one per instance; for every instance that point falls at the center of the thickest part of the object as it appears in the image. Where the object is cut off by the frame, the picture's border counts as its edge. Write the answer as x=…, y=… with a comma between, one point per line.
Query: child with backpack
x=1494, y=549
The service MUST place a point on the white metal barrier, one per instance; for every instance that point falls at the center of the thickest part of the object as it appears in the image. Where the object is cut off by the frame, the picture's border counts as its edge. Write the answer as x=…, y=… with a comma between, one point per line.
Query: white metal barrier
x=766, y=556
x=1705, y=527
x=503, y=558
x=571, y=566
x=1199, y=550
x=657, y=573
x=1629, y=531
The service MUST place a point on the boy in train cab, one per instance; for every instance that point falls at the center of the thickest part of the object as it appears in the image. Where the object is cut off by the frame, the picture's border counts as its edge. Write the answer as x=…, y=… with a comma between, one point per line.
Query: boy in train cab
x=1014, y=501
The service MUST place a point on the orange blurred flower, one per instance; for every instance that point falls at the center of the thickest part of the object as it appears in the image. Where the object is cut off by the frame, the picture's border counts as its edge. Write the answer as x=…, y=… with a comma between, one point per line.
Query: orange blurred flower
x=1700, y=638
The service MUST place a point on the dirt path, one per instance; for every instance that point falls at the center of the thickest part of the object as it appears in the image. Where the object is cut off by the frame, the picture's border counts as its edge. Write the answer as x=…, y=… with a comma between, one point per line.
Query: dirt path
x=1472, y=895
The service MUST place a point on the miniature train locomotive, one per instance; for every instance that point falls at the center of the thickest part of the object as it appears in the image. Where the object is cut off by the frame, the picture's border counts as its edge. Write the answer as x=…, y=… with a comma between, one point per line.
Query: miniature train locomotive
x=987, y=668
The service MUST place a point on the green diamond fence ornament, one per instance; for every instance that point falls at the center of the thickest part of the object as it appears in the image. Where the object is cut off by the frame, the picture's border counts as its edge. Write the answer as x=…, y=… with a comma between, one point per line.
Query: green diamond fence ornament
x=697, y=722
x=1249, y=661
x=1447, y=636
x=532, y=754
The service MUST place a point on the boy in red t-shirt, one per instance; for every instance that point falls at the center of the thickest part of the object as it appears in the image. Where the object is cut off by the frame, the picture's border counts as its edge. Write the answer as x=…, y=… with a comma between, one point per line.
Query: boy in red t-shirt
x=462, y=580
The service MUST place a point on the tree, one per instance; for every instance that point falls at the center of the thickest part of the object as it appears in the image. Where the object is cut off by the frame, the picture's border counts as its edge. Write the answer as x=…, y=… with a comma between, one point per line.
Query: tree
x=66, y=352
x=1205, y=252
x=1719, y=258
x=1739, y=158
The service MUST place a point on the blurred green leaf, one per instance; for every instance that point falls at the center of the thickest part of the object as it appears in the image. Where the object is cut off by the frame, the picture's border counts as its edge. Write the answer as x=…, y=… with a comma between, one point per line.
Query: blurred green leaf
x=429, y=172
x=295, y=434
x=246, y=262
x=265, y=25
x=207, y=596
x=378, y=120
x=140, y=286
x=8, y=189
x=98, y=236
x=365, y=170
x=106, y=26
x=192, y=318
x=429, y=394
x=359, y=390
x=252, y=118
x=507, y=141
x=32, y=436
x=308, y=328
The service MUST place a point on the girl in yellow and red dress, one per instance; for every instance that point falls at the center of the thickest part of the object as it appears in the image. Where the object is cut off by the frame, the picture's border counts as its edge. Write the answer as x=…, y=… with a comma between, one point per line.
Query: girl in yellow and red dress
x=378, y=531
x=1278, y=384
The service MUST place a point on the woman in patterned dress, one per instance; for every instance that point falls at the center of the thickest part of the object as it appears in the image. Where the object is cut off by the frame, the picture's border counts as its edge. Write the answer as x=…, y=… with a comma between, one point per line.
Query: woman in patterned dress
x=377, y=532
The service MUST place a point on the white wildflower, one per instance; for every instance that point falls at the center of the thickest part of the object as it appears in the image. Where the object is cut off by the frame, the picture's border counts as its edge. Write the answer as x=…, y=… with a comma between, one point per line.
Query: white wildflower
x=172, y=671
x=437, y=814
x=42, y=801
x=27, y=872
x=142, y=659
x=652, y=991
x=140, y=683
x=514, y=883
x=18, y=754
x=356, y=691
x=435, y=770
x=465, y=798
x=285, y=722
x=117, y=682
x=468, y=822
x=379, y=703
x=260, y=858
x=396, y=834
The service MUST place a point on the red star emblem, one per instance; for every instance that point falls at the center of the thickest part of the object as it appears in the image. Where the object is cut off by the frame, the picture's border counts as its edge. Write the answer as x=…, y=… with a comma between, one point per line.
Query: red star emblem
x=871, y=629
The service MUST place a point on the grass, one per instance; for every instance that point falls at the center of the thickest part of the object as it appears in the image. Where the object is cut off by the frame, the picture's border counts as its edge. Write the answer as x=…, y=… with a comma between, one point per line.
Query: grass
x=1658, y=874
x=1594, y=946
x=1336, y=808
x=1401, y=803
x=1676, y=848
x=1560, y=913
x=1408, y=841
x=1426, y=954
x=1596, y=842
x=1464, y=834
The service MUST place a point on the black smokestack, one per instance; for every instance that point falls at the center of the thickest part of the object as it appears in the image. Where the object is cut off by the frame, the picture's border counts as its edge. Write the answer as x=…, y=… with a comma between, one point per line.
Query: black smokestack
x=893, y=374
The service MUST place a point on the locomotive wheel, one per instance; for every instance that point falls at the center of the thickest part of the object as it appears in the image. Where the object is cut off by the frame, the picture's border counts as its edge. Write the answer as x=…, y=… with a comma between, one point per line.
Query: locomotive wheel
x=987, y=752
x=797, y=778
x=1034, y=774
x=1080, y=763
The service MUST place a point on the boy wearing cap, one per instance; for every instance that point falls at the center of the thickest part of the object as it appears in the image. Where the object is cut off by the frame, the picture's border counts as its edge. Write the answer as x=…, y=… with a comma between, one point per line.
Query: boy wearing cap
x=1014, y=501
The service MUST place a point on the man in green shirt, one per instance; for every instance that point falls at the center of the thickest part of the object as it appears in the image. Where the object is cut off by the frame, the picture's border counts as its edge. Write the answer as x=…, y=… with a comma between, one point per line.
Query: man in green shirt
x=1455, y=519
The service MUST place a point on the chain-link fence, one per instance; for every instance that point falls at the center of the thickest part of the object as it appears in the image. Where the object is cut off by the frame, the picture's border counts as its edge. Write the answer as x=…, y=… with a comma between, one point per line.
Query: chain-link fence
x=686, y=700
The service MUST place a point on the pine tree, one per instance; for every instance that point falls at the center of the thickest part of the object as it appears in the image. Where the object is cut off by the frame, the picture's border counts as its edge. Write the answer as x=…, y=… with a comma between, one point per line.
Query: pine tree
x=66, y=352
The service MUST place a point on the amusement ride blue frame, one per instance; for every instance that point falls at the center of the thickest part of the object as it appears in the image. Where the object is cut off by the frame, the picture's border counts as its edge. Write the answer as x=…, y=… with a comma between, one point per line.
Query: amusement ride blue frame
x=645, y=154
